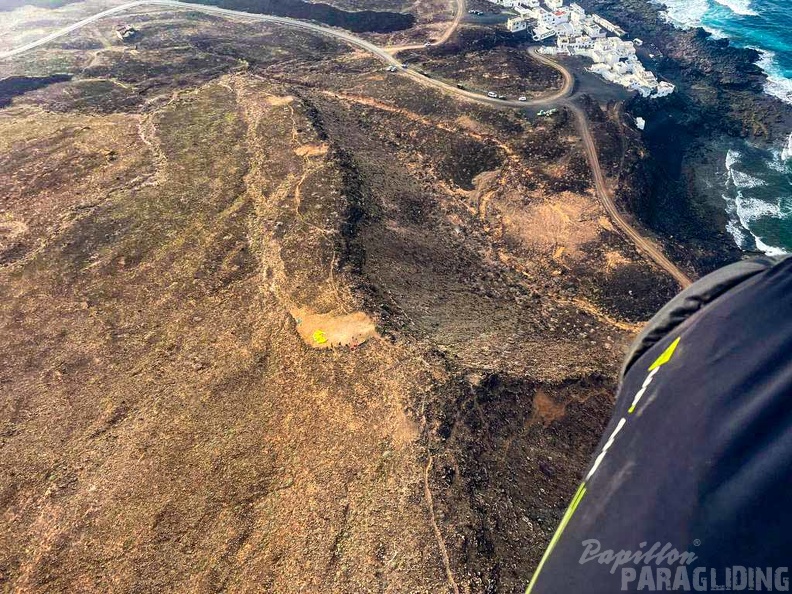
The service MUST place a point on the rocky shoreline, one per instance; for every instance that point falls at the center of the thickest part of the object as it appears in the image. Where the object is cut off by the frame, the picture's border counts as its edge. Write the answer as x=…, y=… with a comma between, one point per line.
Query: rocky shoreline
x=720, y=95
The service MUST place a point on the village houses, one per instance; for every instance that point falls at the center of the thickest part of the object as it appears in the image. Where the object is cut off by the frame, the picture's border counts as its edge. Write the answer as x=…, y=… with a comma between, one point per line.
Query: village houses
x=580, y=34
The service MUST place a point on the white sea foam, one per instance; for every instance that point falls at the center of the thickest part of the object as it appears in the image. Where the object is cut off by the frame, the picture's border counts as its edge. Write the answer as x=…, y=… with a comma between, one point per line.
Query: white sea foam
x=732, y=157
x=752, y=209
x=684, y=13
x=770, y=250
x=743, y=180
x=777, y=84
x=737, y=233
x=741, y=7
x=786, y=152
x=742, y=211
x=777, y=163
x=716, y=33
x=740, y=179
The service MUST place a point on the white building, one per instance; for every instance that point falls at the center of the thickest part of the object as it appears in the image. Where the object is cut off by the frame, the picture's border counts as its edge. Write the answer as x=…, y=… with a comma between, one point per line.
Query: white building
x=605, y=24
x=517, y=24
x=592, y=30
x=577, y=9
x=609, y=50
x=664, y=88
x=551, y=19
x=541, y=32
x=580, y=34
x=525, y=12
x=575, y=45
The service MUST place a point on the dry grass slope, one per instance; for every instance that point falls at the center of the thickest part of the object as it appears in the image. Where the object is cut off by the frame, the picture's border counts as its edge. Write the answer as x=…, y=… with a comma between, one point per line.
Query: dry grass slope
x=177, y=222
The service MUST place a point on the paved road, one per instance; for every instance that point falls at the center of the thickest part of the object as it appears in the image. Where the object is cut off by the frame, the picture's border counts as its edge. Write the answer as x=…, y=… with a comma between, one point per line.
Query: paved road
x=560, y=97
x=603, y=191
x=288, y=22
x=383, y=54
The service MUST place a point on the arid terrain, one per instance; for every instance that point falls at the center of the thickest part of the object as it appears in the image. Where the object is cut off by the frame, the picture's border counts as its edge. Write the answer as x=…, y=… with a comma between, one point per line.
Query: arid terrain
x=275, y=319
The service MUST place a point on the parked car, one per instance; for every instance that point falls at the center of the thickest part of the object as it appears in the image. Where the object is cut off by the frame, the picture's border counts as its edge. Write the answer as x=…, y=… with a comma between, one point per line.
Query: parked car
x=522, y=98
x=492, y=95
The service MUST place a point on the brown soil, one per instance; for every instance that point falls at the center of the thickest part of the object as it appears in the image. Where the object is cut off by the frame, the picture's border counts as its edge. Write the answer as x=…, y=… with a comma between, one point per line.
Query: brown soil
x=168, y=424
x=324, y=331
x=486, y=59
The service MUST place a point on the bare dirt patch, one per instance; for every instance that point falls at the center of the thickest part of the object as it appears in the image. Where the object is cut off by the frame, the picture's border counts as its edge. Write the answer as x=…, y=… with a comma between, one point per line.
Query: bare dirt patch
x=324, y=331
x=559, y=225
x=546, y=408
x=166, y=425
x=311, y=150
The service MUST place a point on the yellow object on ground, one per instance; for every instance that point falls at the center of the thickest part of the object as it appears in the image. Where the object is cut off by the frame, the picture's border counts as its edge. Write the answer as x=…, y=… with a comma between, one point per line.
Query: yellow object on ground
x=332, y=330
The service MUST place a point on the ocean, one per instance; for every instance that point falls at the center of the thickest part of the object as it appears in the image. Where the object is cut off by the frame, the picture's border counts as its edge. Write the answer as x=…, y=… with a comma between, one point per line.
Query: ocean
x=754, y=183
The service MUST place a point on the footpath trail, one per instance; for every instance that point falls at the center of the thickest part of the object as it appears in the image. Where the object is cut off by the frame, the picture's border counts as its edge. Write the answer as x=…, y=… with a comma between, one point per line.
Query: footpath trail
x=561, y=97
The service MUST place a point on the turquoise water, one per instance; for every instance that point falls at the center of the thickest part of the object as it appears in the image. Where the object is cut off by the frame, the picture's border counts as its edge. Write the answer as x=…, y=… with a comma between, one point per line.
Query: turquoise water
x=755, y=184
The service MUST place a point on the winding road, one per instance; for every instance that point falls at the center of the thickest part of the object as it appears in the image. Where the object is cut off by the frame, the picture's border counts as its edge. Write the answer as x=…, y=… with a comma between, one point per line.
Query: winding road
x=459, y=13
x=560, y=97
x=606, y=198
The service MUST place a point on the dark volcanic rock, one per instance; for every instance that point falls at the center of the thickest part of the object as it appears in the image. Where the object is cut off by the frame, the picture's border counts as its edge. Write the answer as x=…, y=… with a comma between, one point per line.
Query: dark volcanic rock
x=357, y=21
x=719, y=94
x=721, y=85
x=18, y=85
x=486, y=58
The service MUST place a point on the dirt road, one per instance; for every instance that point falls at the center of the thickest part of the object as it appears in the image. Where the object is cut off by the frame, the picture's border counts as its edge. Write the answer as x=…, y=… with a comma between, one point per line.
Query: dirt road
x=606, y=198
x=560, y=97
x=603, y=191
x=459, y=14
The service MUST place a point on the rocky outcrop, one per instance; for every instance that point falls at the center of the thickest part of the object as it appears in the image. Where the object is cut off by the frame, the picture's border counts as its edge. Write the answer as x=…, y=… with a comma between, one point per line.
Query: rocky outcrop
x=13, y=86
x=719, y=95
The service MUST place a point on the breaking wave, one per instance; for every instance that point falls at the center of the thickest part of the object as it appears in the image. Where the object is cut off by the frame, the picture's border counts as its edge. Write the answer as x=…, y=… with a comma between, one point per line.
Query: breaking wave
x=777, y=84
x=759, y=24
x=749, y=214
x=768, y=249
x=685, y=14
x=741, y=7
x=786, y=152
x=743, y=180
x=742, y=213
x=732, y=157
x=757, y=183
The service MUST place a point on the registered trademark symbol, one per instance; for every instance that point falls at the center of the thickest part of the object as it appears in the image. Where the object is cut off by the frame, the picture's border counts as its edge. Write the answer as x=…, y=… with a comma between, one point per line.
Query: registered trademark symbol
x=696, y=542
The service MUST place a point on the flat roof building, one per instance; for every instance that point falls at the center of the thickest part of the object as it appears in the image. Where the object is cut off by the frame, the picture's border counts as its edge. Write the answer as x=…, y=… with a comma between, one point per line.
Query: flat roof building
x=578, y=33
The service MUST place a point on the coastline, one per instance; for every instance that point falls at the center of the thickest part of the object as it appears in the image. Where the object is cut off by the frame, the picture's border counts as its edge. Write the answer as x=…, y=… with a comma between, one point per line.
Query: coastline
x=720, y=98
